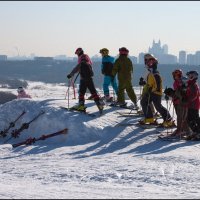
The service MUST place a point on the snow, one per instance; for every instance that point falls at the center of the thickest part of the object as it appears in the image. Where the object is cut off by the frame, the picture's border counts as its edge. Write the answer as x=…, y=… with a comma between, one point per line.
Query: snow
x=97, y=158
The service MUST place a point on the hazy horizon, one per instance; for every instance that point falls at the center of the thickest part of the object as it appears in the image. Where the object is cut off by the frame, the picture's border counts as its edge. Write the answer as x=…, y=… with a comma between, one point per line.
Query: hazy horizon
x=50, y=28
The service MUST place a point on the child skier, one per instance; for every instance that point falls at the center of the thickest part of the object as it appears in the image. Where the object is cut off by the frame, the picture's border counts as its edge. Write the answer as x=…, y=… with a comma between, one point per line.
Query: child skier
x=178, y=99
x=84, y=67
x=123, y=66
x=193, y=99
x=106, y=69
x=152, y=92
x=22, y=93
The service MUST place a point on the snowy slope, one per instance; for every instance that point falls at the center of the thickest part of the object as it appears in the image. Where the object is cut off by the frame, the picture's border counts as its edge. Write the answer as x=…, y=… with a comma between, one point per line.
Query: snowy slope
x=97, y=158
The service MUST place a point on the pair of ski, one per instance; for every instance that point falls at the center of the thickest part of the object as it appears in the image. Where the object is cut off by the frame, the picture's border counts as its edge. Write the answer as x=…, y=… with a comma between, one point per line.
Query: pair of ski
x=16, y=132
x=31, y=140
x=114, y=104
x=11, y=125
x=167, y=136
x=82, y=112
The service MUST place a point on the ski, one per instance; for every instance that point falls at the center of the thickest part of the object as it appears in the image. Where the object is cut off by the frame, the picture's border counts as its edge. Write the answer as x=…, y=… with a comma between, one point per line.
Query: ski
x=167, y=137
x=124, y=106
x=31, y=140
x=82, y=112
x=15, y=133
x=130, y=114
x=146, y=126
x=125, y=124
x=11, y=125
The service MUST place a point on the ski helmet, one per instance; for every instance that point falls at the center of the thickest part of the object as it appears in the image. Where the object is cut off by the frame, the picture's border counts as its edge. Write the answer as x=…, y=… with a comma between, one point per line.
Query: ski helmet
x=123, y=51
x=192, y=75
x=79, y=51
x=150, y=60
x=20, y=89
x=177, y=73
x=104, y=51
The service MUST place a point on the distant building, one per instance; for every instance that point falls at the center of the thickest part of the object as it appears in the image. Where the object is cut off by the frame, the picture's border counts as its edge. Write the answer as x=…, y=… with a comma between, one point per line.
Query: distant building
x=133, y=59
x=156, y=49
x=43, y=59
x=3, y=57
x=60, y=57
x=167, y=59
x=190, y=59
x=197, y=54
x=141, y=58
x=182, y=57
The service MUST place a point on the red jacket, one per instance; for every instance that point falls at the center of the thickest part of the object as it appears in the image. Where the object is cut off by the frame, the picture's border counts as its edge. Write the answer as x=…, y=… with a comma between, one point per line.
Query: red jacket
x=193, y=95
x=177, y=85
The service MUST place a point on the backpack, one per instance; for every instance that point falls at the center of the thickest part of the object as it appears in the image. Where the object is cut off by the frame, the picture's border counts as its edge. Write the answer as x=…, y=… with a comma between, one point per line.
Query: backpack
x=107, y=68
x=86, y=70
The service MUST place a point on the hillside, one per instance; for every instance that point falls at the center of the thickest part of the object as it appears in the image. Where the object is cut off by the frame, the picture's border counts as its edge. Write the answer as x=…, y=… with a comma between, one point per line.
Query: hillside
x=97, y=158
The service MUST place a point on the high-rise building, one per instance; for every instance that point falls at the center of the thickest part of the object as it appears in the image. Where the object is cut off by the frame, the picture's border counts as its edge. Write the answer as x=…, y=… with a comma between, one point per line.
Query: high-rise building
x=156, y=48
x=182, y=57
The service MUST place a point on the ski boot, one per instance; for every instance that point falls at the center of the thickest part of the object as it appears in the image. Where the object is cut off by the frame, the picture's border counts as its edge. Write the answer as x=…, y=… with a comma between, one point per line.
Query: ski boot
x=107, y=98
x=79, y=107
x=148, y=121
x=168, y=123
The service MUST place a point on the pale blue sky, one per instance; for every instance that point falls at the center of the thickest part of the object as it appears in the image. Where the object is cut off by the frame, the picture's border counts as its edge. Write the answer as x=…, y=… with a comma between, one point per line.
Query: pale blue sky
x=52, y=28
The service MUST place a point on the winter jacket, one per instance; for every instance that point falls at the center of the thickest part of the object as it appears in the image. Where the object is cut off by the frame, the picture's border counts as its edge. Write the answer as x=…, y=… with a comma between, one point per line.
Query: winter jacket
x=23, y=94
x=153, y=83
x=107, y=65
x=124, y=68
x=84, y=66
x=177, y=85
x=193, y=95
x=84, y=57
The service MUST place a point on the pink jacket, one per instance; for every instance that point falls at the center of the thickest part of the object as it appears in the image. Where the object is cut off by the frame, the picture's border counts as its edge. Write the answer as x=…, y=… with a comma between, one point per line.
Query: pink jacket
x=84, y=57
x=23, y=95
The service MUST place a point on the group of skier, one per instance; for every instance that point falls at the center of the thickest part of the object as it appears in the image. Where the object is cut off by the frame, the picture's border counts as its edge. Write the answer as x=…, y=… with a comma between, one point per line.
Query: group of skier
x=185, y=92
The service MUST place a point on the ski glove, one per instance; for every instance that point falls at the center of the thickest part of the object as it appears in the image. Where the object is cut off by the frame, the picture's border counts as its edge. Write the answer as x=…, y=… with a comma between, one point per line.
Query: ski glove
x=169, y=92
x=142, y=81
x=69, y=76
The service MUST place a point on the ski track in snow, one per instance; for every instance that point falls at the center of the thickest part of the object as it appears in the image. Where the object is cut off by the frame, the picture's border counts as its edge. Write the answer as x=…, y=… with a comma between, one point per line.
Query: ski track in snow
x=96, y=158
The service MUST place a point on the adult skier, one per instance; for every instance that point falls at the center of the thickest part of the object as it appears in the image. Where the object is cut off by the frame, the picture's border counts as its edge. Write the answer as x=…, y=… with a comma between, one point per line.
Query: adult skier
x=106, y=69
x=123, y=67
x=84, y=67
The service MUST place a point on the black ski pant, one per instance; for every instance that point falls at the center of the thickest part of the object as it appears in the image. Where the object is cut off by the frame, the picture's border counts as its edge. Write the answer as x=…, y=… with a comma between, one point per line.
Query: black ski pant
x=84, y=85
x=194, y=120
x=146, y=101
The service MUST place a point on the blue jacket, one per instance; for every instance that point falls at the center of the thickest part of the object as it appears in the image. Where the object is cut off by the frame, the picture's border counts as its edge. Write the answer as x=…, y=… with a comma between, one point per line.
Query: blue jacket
x=107, y=65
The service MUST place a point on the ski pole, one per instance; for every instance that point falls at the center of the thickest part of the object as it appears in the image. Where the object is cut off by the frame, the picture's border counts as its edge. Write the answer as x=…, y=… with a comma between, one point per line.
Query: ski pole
x=68, y=93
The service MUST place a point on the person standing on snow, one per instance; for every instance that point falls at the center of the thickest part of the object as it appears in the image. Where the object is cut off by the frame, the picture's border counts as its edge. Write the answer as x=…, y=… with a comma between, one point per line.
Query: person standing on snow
x=84, y=67
x=123, y=66
x=22, y=93
x=179, y=102
x=152, y=92
x=193, y=103
x=106, y=69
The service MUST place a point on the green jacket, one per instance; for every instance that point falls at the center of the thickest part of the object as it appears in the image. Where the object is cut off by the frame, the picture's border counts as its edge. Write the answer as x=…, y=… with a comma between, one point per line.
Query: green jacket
x=123, y=66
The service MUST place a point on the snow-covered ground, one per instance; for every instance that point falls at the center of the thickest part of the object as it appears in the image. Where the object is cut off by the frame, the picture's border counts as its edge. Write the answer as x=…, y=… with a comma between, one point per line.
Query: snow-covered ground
x=97, y=158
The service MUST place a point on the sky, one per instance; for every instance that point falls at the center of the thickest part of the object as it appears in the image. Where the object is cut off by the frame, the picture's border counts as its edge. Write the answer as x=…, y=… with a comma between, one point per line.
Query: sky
x=49, y=28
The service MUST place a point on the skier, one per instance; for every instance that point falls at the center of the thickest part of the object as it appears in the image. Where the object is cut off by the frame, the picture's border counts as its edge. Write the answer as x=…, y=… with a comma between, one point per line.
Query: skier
x=178, y=99
x=123, y=66
x=22, y=93
x=106, y=69
x=84, y=67
x=152, y=92
x=193, y=100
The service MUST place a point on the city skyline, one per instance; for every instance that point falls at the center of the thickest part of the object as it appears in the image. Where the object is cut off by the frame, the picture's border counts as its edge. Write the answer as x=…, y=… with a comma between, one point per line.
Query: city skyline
x=58, y=28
